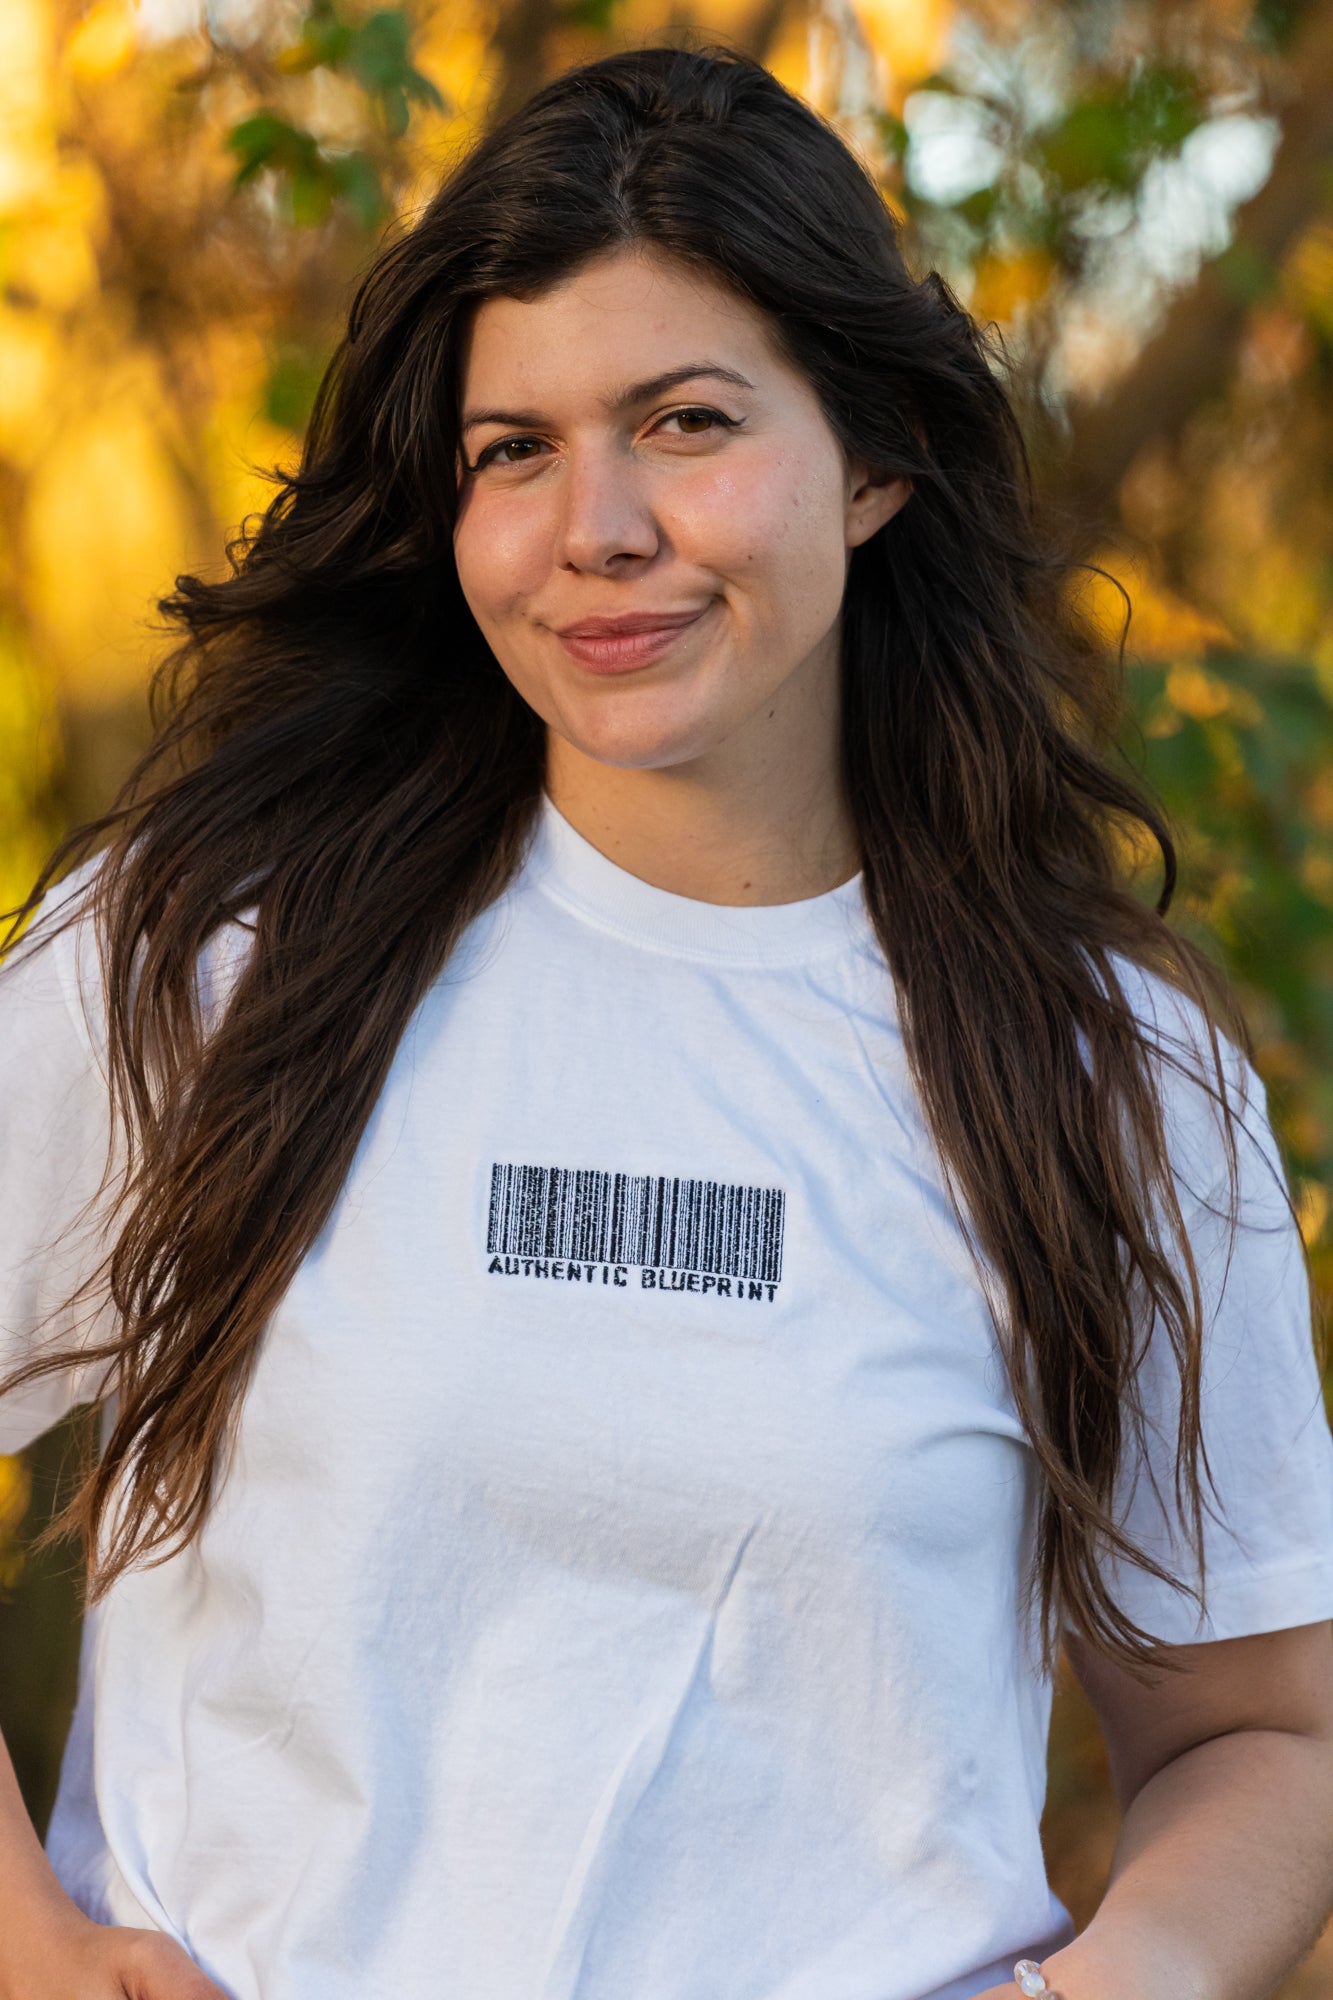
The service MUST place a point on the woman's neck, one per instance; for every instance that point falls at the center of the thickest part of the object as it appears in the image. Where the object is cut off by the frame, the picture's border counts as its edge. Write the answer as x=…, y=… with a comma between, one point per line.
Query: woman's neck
x=682, y=830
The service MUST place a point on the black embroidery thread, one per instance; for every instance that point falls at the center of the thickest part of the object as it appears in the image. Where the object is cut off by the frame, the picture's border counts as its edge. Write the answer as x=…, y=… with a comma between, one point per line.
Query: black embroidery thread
x=588, y=1216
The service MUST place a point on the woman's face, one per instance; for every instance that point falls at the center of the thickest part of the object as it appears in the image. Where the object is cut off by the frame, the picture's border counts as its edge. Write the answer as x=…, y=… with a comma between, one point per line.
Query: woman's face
x=655, y=517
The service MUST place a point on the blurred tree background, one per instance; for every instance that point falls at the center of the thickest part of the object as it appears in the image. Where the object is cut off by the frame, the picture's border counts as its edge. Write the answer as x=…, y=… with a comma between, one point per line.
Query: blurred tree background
x=1140, y=197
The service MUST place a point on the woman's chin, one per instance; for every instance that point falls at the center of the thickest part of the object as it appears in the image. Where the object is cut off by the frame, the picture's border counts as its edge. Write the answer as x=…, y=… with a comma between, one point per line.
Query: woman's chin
x=647, y=757
x=642, y=745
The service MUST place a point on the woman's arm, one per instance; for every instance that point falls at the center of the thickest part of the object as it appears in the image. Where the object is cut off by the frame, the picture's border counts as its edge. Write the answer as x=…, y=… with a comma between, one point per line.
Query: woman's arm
x=1223, y=1873
x=50, y=1951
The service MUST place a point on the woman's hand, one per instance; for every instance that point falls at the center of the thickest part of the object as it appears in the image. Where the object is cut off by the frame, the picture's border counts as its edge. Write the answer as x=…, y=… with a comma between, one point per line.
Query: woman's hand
x=49, y=1950
x=62, y=1955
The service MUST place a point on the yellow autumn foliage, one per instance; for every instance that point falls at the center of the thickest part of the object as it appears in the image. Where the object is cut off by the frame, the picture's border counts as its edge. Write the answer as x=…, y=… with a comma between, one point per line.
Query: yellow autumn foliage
x=912, y=36
x=104, y=504
x=102, y=41
x=1311, y=1209
x=27, y=136
x=1308, y=275
x=1003, y=286
x=1163, y=625
x=29, y=355
x=15, y=1490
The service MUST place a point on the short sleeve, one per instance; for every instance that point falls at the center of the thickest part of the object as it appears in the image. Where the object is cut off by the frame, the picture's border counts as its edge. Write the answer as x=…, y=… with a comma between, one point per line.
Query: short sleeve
x=54, y=1142
x=1269, y=1554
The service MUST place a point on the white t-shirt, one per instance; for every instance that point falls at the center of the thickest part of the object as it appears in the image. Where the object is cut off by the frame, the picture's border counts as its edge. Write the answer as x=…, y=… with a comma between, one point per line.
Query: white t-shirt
x=616, y=1590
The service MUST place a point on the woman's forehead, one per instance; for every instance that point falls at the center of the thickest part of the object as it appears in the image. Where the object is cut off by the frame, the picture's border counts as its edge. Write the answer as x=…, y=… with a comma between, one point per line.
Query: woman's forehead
x=615, y=326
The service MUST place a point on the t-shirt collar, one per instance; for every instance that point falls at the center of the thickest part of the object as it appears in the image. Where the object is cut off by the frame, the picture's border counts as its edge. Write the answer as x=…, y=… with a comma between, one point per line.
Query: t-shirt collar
x=566, y=866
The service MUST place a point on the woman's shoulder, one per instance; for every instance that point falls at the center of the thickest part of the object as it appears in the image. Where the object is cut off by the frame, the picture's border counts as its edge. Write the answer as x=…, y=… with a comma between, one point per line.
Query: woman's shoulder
x=1204, y=1078
x=50, y=975
x=57, y=964
x=1173, y=1017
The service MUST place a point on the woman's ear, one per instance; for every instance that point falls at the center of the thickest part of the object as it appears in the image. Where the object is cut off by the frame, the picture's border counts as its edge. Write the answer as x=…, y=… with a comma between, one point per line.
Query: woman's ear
x=872, y=499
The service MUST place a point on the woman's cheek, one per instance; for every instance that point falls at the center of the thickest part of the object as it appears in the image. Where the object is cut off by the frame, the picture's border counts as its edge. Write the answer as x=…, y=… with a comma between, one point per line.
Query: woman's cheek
x=502, y=553
x=732, y=526
x=772, y=504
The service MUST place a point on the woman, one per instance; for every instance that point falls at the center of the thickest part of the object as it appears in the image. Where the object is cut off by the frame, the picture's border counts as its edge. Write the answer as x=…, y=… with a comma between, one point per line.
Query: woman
x=638, y=1139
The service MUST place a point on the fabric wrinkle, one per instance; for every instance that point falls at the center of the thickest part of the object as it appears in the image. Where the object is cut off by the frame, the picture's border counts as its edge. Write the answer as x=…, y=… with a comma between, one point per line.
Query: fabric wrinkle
x=629, y=1786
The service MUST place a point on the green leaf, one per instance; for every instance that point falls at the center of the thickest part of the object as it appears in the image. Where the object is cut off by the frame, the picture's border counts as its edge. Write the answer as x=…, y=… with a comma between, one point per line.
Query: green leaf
x=267, y=140
x=379, y=54
x=1243, y=272
x=324, y=42
x=289, y=390
x=310, y=194
x=1089, y=145
x=893, y=133
x=980, y=206
x=380, y=58
x=1162, y=107
x=1240, y=787
x=357, y=180
x=314, y=180
x=1272, y=23
x=1109, y=137
x=595, y=14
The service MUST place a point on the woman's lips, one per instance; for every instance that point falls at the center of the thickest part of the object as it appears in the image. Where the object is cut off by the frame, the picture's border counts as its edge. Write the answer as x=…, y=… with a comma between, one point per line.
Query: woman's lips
x=615, y=645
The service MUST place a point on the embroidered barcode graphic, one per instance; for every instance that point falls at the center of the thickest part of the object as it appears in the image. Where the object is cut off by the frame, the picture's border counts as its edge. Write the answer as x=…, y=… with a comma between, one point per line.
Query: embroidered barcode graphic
x=604, y=1218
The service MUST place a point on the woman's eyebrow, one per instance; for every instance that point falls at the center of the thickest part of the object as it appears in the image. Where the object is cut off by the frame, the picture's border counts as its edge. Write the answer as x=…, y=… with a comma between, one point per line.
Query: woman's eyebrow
x=623, y=399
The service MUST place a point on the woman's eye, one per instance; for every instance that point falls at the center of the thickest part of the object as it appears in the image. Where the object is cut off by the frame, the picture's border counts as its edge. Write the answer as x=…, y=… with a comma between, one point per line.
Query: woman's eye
x=693, y=422
x=499, y=453
x=698, y=422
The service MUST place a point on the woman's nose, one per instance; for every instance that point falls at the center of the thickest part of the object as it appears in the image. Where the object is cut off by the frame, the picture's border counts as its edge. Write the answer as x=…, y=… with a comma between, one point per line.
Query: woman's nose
x=605, y=518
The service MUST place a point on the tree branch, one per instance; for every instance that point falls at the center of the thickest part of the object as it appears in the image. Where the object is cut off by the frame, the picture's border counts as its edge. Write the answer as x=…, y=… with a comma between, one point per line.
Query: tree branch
x=1190, y=358
x=519, y=42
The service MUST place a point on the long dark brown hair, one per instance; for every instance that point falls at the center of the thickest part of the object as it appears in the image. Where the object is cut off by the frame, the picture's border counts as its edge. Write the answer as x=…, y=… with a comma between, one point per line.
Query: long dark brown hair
x=338, y=752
